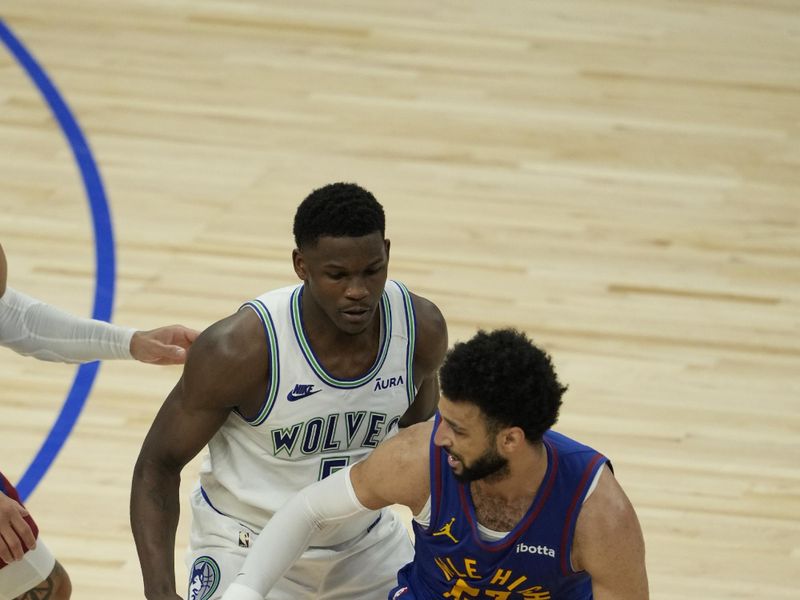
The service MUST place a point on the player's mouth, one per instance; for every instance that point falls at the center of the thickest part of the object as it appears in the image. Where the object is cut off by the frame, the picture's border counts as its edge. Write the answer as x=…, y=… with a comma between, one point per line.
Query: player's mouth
x=453, y=461
x=357, y=315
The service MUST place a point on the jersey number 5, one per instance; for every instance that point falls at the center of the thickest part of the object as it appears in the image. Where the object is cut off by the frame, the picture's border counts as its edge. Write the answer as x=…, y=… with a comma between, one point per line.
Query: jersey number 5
x=329, y=466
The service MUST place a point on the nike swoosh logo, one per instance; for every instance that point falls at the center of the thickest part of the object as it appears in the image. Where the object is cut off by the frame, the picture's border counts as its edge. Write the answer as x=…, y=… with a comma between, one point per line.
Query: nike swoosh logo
x=292, y=397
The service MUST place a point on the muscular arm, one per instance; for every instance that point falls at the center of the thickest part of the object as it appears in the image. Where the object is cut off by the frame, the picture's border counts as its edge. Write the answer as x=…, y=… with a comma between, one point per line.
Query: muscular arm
x=609, y=544
x=431, y=346
x=342, y=495
x=227, y=367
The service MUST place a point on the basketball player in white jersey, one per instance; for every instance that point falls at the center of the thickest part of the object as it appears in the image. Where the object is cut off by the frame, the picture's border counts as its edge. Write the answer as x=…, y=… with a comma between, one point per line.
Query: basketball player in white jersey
x=297, y=384
x=28, y=570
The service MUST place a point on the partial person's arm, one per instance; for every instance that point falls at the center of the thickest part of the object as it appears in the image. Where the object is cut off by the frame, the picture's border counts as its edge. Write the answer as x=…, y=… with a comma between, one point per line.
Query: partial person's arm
x=346, y=493
x=16, y=534
x=227, y=367
x=289, y=532
x=609, y=544
x=166, y=345
x=32, y=328
x=431, y=347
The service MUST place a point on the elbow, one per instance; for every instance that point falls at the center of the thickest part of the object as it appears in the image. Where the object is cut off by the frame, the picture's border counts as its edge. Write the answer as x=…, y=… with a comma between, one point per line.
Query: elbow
x=156, y=472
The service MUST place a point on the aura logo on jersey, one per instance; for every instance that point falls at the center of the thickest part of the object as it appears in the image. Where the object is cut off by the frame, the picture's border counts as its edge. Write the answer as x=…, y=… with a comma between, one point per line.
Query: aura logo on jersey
x=389, y=382
x=204, y=579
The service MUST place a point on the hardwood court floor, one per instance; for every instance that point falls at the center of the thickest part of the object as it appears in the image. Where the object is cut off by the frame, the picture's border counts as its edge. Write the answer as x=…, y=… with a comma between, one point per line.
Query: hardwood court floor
x=620, y=179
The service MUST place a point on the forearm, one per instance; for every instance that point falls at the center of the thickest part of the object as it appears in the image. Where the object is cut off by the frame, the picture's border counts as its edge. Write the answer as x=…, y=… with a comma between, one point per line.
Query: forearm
x=288, y=533
x=33, y=328
x=155, y=509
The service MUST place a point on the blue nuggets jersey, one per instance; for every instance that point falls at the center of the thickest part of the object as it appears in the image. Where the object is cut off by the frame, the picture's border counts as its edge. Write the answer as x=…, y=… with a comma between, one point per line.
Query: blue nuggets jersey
x=532, y=561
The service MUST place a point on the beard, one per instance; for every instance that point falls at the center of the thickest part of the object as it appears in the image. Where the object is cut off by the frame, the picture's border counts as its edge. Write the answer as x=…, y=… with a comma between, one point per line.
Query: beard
x=488, y=464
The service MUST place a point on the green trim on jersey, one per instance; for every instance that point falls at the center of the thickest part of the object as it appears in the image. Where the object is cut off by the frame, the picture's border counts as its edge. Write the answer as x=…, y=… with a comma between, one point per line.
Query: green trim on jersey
x=308, y=352
x=411, y=328
x=274, y=365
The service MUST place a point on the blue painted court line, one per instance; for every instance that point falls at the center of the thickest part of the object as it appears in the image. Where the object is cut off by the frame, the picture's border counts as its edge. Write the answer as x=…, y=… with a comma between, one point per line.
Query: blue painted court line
x=104, y=253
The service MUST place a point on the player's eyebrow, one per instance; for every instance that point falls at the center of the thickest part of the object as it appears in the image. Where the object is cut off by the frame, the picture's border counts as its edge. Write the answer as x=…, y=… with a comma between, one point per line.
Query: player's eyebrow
x=452, y=423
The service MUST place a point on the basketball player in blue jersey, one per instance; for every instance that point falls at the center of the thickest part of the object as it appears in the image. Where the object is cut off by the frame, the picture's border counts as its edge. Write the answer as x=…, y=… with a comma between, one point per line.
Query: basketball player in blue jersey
x=297, y=384
x=28, y=570
x=504, y=507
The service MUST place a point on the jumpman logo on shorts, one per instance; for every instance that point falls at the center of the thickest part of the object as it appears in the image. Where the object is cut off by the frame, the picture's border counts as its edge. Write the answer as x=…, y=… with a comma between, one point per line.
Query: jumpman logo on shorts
x=445, y=530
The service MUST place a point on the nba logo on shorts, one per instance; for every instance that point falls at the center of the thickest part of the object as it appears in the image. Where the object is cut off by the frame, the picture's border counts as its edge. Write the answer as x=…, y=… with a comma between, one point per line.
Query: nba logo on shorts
x=204, y=580
x=400, y=592
x=244, y=539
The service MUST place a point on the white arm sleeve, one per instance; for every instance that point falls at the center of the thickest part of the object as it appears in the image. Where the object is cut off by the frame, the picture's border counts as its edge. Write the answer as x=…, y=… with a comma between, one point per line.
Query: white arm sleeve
x=33, y=328
x=288, y=532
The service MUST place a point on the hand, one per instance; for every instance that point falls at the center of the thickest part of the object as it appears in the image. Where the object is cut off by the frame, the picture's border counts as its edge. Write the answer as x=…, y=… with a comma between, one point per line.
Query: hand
x=163, y=346
x=15, y=533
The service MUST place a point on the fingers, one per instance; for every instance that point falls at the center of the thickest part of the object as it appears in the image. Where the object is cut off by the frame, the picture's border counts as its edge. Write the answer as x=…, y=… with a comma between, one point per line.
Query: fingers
x=176, y=334
x=15, y=534
x=175, y=354
x=24, y=532
x=165, y=354
x=190, y=334
x=181, y=339
x=9, y=550
x=164, y=345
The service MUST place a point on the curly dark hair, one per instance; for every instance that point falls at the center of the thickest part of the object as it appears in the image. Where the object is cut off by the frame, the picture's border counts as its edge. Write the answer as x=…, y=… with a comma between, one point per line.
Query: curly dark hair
x=511, y=380
x=338, y=210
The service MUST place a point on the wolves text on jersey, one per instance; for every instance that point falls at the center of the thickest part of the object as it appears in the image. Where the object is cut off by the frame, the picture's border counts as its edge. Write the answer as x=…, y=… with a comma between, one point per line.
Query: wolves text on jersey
x=334, y=433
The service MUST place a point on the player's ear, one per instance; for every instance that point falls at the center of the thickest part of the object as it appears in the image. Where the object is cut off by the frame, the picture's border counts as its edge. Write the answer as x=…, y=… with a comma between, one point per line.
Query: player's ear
x=299, y=264
x=387, y=243
x=511, y=438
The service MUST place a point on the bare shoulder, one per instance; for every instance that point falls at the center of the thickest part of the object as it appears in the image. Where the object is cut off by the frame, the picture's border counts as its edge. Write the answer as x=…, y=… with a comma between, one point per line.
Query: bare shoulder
x=609, y=543
x=429, y=317
x=228, y=337
x=431, y=333
x=227, y=359
x=405, y=458
x=411, y=443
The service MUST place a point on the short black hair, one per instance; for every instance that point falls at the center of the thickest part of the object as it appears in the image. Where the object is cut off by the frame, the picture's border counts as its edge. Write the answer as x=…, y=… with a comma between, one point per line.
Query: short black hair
x=337, y=210
x=511, y=380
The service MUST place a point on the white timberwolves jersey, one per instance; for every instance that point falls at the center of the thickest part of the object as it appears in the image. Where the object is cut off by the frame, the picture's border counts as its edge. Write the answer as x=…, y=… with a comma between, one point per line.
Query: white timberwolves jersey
x=311, y=423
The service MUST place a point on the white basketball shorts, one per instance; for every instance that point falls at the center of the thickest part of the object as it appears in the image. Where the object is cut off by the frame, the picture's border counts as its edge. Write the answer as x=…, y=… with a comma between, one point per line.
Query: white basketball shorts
x=364, y=569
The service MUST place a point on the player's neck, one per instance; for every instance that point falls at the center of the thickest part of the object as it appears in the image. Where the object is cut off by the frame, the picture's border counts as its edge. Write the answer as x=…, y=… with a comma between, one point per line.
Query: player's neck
x=525, y=474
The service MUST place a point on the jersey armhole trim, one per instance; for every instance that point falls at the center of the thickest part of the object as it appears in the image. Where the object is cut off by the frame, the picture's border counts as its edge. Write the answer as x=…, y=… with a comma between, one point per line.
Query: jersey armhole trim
x=274, y=362
x=435, y=457
x=597, y=461
x=411, y=330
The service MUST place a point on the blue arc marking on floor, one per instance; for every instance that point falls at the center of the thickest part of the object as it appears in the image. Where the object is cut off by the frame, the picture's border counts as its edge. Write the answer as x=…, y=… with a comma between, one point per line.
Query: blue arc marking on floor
x=104, y=253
